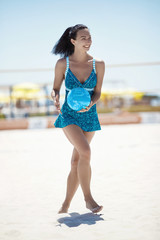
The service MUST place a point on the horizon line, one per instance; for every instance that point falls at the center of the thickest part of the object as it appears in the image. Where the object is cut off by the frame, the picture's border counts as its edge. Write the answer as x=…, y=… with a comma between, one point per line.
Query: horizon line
x=106, y=66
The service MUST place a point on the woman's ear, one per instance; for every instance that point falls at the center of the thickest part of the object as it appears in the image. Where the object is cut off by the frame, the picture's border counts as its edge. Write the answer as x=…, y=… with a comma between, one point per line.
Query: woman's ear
x=72, y=41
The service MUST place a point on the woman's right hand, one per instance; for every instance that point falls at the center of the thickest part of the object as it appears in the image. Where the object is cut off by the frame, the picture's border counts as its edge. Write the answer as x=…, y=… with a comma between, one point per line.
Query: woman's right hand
x=55, y=98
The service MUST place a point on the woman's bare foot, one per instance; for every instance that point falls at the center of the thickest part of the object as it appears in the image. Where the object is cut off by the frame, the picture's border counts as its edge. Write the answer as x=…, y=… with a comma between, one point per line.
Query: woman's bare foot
x=93, y=206
x=96, y=209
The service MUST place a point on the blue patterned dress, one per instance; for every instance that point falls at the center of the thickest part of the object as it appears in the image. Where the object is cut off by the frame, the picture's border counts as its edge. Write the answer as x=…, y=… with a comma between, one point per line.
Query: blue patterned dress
x=87, y=121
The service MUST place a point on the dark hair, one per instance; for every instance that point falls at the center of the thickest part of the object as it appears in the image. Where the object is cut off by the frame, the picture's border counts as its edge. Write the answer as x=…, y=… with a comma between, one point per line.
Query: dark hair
x=64, y=47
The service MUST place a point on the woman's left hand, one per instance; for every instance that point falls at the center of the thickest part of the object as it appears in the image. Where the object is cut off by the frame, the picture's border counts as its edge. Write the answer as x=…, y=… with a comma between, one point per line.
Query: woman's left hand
x=87, y=108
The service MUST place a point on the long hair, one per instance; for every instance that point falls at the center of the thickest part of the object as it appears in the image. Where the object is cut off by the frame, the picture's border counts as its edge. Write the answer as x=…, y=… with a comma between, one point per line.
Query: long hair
x=63, y=46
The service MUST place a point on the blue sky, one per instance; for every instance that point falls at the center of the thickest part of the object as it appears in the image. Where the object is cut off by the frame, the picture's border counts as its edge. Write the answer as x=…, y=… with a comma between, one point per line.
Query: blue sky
x=122, y=32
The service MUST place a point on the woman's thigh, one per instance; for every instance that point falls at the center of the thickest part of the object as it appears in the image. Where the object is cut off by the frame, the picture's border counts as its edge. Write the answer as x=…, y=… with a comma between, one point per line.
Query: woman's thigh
x=78, y=138
x=75, y=154
x=89, y=135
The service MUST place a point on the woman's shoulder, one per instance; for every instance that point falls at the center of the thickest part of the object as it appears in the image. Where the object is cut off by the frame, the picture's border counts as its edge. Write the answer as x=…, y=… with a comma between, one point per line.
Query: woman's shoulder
x=99, y=61
x=61, y=63
x=99, y=64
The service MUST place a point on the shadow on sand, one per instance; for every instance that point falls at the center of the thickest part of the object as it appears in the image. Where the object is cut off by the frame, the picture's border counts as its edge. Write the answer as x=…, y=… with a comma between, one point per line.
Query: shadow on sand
x=77, y=219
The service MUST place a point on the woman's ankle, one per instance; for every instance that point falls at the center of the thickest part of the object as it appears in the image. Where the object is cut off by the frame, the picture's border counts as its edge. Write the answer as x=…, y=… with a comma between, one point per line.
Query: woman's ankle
x=88, y=198
x=66, y=204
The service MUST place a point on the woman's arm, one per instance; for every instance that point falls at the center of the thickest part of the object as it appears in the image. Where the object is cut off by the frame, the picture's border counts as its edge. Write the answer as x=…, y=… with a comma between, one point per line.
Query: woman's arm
x=58, y=79
x=100, y=70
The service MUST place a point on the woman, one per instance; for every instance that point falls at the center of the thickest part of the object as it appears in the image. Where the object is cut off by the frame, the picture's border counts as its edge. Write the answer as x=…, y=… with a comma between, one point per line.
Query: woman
x=79, y=69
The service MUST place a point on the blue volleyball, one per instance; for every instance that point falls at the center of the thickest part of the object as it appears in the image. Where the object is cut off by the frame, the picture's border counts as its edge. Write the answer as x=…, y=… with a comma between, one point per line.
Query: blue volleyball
x=78, y=98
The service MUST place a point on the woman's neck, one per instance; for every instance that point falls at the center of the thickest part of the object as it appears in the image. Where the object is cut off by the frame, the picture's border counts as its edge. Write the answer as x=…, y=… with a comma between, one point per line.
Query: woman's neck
x=79, y=56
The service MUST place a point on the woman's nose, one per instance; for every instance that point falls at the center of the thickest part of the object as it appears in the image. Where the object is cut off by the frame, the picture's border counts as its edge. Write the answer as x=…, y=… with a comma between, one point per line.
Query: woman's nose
x=88, y=41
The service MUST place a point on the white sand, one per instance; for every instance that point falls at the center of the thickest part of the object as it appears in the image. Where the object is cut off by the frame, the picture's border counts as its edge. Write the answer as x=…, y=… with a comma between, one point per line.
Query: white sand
x=34, y=166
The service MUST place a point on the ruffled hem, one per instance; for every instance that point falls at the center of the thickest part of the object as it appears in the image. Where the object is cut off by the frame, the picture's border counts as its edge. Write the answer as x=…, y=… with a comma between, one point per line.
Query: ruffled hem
x=84, y=129
x=60, y=123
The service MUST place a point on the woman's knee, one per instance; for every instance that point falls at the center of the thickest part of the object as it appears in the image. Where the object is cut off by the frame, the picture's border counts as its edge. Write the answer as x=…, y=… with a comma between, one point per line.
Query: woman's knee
x=85, y=152
x=75, y=158
x=83, y=155
x=74, y=163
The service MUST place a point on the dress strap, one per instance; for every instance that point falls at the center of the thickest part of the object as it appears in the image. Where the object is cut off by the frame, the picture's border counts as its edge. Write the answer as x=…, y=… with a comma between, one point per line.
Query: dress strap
x=67, y=67
x=94, y=67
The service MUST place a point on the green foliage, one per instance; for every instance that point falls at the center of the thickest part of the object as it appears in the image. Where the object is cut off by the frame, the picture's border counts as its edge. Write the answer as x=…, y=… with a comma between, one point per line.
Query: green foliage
x=2, y=116
x=142, y=108
x=138, y=108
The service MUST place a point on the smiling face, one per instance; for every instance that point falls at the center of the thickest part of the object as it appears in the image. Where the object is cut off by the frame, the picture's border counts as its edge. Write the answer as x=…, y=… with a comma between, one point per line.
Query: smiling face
x=83, y=40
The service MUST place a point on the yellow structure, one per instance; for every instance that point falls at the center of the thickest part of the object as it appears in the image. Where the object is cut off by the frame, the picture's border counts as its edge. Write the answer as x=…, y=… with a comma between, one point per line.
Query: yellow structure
x=26, y=91
x=109, y=94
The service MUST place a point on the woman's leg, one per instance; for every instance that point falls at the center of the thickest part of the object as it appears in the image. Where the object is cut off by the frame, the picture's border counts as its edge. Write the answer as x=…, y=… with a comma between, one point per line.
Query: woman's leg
x=78, y=139
x=72, y=180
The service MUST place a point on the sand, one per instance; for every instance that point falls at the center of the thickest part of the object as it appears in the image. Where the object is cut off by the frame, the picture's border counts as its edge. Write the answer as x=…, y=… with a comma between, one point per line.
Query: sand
x=34, y=166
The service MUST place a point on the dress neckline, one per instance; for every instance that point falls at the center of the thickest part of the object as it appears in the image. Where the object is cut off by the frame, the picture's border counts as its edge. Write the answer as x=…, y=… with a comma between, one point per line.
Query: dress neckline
x=77, y=78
